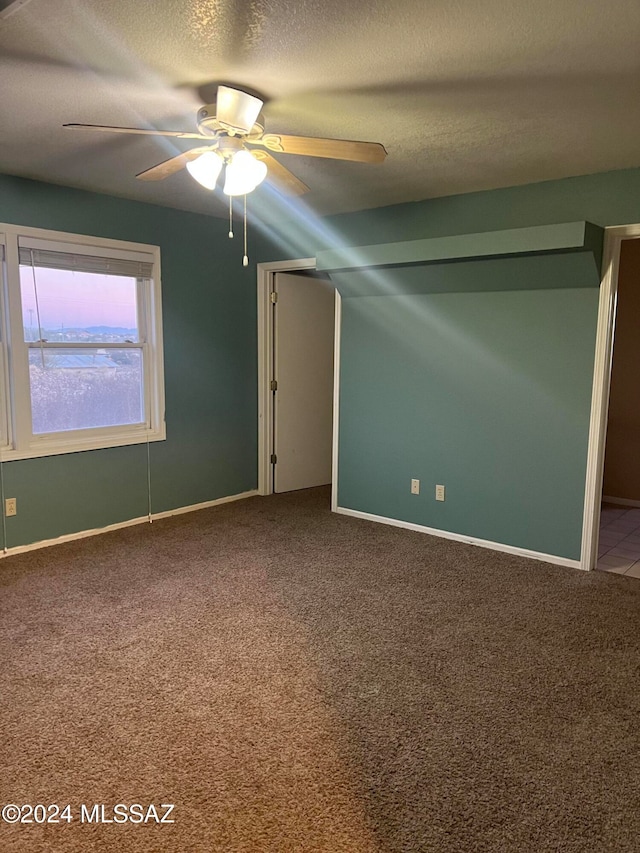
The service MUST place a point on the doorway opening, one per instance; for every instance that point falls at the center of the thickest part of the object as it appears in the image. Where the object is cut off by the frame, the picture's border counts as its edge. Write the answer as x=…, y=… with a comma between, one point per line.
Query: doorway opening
x=298, y=323
x=619, y=528
x=611, y=530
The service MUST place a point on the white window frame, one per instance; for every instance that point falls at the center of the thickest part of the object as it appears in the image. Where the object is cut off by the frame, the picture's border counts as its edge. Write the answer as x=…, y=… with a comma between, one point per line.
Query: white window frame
x=16, y=433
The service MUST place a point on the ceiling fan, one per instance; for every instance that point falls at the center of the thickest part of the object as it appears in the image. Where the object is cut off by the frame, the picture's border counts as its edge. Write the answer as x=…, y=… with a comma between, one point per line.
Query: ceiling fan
x=234, y=129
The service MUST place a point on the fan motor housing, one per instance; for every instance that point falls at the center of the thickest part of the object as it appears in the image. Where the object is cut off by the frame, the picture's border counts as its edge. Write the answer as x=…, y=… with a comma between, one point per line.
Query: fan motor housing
x=209, y=125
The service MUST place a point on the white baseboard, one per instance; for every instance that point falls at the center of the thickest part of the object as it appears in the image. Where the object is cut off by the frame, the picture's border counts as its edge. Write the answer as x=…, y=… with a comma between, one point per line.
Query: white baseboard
x=205, y=505
x=620, y=501
x=96, y=531
x=468, y=540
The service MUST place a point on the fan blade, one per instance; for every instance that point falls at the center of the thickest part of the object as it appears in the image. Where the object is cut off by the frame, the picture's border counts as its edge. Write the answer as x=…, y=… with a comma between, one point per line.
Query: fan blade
x=174, y=164
x=9, y=7
x=237, y=110
x=280, y=176
x=138, y=130
x=337, y=149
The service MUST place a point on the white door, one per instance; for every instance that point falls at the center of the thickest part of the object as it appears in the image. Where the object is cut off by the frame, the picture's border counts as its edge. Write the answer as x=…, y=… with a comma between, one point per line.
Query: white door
x=303, y=369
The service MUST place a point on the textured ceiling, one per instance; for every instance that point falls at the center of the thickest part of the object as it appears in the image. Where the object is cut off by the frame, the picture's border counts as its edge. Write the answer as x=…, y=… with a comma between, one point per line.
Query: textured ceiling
x=465, y=95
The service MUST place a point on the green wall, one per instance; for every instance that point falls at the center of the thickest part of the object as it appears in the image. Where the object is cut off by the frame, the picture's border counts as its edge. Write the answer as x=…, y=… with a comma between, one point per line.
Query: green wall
x=487, y=393
x=607, y=198
x=209, y=323
x=473, y=374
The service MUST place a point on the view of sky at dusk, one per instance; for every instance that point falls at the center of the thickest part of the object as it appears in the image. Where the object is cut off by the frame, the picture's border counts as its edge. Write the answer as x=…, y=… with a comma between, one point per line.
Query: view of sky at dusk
x=76, y=299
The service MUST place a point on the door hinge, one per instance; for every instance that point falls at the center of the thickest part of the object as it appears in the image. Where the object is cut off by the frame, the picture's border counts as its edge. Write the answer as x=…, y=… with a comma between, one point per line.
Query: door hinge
x=274, y=385
x=274, y=458
x=274, y=296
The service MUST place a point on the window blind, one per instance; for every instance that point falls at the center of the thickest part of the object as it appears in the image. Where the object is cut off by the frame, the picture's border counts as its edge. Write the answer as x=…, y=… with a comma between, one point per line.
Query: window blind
x=85, y=263
x=83, y=257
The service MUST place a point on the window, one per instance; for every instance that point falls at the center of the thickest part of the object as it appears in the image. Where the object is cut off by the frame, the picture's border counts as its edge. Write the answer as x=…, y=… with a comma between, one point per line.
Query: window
x=81, y=350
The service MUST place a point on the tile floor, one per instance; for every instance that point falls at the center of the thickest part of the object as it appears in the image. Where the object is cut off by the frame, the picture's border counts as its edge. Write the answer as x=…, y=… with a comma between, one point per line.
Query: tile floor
x=619, y=545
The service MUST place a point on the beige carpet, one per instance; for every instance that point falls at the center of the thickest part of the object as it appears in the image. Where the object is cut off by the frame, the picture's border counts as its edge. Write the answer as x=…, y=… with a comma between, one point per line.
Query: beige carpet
x=293, y=680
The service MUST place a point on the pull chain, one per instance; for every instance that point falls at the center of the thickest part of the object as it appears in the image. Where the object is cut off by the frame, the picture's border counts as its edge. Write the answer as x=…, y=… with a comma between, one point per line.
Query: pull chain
x=231, y=216
x=245, y=260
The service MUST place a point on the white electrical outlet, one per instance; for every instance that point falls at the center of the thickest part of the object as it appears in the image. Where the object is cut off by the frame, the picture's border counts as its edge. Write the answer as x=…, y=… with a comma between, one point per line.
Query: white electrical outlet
x=415, y=487
x=439, y=493
x=10, y=507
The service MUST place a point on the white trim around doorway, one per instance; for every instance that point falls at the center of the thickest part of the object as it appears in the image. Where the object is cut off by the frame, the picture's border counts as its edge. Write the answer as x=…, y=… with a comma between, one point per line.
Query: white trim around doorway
x=266, y=273
x=601, y=384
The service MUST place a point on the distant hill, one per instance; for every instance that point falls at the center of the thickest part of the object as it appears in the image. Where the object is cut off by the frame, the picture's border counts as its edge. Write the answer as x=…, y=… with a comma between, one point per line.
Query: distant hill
x=101, y=330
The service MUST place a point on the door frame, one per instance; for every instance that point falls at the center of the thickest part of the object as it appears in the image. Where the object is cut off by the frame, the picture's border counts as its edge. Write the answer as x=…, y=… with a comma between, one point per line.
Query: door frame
x=613, y=238
x=266, y=273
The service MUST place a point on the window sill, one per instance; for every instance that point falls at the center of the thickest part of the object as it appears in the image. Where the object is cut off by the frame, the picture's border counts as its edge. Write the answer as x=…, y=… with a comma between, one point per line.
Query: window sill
x=57, y=446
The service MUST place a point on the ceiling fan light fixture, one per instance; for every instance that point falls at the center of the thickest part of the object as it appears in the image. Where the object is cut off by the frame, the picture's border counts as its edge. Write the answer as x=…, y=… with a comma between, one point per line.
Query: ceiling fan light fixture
x=227, y=125
x=205, y=169
x=243, y=174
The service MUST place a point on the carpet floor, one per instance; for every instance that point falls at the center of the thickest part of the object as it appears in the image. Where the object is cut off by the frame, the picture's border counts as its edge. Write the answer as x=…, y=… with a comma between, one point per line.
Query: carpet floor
x=295, y=681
